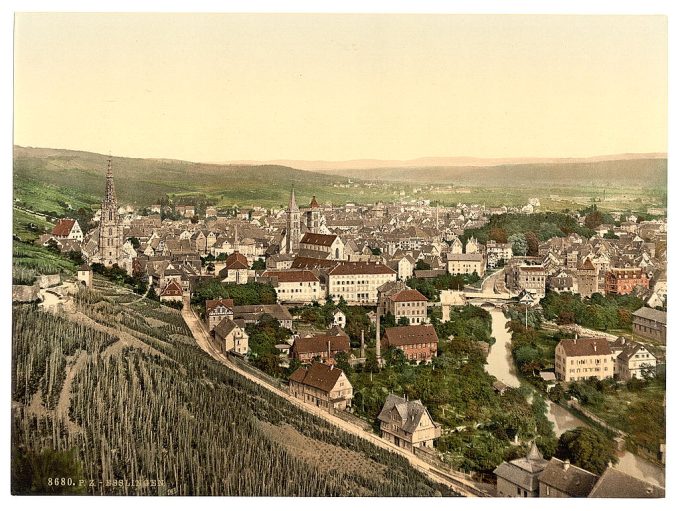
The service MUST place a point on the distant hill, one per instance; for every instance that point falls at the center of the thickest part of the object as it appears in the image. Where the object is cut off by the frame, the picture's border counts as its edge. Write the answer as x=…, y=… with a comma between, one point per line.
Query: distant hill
x=648, y=172
x=77, y=177
x=339, y=167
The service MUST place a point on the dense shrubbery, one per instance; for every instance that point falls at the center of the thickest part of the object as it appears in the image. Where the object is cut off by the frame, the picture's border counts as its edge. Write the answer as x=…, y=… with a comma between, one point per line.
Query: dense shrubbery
x=119, y=276
x=431, y=287
x=611, y=312
x=253, y=293
x=543, y=225
x=587, y=448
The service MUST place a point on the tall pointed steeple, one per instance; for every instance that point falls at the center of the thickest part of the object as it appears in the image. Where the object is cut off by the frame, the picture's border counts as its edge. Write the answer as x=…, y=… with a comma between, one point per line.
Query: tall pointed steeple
x=292, y=205
x=110, y=227
x=293, y=233
x=110, y=193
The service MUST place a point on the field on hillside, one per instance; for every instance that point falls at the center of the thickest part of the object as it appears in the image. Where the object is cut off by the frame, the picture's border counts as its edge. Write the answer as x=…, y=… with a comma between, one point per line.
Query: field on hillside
x=116, y=394
x=62, y=181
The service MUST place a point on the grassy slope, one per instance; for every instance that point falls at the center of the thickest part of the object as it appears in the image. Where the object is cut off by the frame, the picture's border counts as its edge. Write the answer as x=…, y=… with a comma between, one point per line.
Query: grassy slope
x=51, y=180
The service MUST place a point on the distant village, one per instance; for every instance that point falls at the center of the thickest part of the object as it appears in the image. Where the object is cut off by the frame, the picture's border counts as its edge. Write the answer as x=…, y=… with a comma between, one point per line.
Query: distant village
x=311, y=252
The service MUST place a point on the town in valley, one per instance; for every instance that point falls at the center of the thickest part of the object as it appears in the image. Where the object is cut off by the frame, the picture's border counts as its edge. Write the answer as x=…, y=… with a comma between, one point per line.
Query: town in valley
x=487, y=344
x=339, y=255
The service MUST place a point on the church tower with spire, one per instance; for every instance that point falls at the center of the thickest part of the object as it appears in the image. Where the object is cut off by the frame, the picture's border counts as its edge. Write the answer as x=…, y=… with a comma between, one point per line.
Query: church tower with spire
x=110, y=228
x=314, y=216
x=292, y=225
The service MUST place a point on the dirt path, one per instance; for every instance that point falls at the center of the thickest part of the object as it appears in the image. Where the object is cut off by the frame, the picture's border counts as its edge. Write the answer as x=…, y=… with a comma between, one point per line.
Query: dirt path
x=64, y=402
x=124, y=339
x=450, y=479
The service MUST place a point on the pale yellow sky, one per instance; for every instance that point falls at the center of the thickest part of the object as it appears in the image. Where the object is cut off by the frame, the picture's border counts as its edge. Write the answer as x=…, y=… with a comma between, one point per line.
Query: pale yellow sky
x=218, y=87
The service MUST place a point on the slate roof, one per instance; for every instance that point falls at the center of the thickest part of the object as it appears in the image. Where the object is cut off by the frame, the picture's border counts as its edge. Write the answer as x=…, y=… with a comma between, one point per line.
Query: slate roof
x=651, y=314
x=410, y=412
x=318, y=375
x=573, y=481
x=585, y=346
x=407, y=335
x=225, y=327
x=615, y=484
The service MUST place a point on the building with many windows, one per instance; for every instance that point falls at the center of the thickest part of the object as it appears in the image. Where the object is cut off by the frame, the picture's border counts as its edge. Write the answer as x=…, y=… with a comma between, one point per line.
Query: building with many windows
x=358, y=282
x=322, y=385
x=583, y=358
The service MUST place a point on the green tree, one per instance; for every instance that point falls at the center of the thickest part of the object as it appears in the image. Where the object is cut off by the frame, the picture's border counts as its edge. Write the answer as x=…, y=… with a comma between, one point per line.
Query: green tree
x=422, y=265
x=403, y=321
x=587, y=448
x=259, y=264
x=519, y=244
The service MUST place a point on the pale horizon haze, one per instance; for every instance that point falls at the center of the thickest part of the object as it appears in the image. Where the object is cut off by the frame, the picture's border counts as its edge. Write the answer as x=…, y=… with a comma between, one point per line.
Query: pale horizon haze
x=226, y=87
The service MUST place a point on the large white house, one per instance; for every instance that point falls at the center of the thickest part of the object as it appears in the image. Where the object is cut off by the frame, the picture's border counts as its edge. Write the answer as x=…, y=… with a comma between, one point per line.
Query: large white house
x=295, y=286
x=358, y=282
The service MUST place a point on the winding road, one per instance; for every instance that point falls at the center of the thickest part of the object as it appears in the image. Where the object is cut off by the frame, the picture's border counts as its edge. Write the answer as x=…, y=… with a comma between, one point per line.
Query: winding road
x=456, y=482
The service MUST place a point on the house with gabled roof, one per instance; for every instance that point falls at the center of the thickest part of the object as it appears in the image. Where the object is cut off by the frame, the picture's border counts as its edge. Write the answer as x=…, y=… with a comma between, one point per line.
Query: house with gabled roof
x=562, y=479
x=217, y=310
x=67, y=229
x=231, y=336
x=583, y=358
x=407, y=424
x=519, y=477
x=322, y=385
x=418, y=342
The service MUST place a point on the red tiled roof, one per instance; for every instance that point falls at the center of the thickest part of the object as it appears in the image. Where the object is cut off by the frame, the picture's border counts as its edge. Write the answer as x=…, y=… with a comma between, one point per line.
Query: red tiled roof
x=408, y=295
x=63, y=227
x=319, y=344
x=313, y=204
x=361, y=268
x=324, y=240
x=236, y=261
x=318, y=375
x=407, y=335
x=211, y=304
x=585, y=346
x=311, y=262
x=172, y=289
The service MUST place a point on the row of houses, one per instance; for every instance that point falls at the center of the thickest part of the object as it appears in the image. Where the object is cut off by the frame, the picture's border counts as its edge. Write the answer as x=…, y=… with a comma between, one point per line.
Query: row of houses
x=596, y=357
x=534, y=476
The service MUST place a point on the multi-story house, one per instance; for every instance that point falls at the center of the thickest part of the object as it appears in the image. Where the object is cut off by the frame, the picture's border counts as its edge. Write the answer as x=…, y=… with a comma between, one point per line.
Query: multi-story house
x=295, y=286
x=496, y=252
x=632, y=360
x=322, y=385
x=587, y=280
x=465, y=264
x=321, y=347
x=562, y=479
x=650, y=323
x=229, y=336
x=236, y=269
x=622, y=281
x=407, y=424
x=418, y=342
x=252, y=314
x=407, y=303
x=519, y=477
x=67, y=229
x=358, y=282
x=583, y=358
x=527, y=277
x=217, y=310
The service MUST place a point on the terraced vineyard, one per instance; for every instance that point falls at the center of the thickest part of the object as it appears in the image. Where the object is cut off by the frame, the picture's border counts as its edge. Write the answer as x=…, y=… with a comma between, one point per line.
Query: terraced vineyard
x=116, y=395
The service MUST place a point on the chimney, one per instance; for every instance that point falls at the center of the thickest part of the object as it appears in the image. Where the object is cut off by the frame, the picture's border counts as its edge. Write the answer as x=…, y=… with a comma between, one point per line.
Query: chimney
x=595, y=347
x=565, y=465
x=377, y=335
x=329, y=350
x=363, y=345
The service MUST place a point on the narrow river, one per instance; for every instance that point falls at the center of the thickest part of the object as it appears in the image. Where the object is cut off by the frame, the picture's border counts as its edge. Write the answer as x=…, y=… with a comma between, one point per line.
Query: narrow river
x=500, y=365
